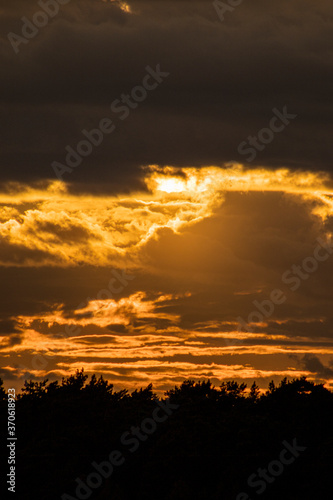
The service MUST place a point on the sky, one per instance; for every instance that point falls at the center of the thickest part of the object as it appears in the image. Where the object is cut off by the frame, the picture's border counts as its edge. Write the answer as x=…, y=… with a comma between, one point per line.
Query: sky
x=166, y=191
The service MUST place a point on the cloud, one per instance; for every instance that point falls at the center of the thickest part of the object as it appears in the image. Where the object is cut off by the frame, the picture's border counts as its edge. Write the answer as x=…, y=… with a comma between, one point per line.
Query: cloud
x=315, y=366
x=50, y=226
x=8, y=326
x=225, y=79
x=221, y=238
x=165, y=195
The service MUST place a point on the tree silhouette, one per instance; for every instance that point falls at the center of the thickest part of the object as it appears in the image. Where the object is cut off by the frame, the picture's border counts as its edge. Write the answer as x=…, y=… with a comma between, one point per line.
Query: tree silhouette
x=206, y=450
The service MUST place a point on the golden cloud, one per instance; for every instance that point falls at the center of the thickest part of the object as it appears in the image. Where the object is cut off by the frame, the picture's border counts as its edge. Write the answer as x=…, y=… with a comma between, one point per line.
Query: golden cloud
x=46, y=225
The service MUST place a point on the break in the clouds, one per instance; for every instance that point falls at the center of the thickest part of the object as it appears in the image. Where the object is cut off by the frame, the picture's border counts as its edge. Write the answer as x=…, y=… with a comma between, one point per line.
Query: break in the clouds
x=168, y=198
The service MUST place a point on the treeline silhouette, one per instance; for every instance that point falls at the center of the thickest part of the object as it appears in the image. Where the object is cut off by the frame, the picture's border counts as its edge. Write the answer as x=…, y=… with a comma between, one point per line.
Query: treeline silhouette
x=205, y=450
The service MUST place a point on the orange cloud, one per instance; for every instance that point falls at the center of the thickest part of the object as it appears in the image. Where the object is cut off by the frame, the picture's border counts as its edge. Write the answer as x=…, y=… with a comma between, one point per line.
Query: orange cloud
x=46, y=225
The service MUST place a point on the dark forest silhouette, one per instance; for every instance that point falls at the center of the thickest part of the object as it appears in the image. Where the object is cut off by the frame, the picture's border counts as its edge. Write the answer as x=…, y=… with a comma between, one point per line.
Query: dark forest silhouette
x=205, y=450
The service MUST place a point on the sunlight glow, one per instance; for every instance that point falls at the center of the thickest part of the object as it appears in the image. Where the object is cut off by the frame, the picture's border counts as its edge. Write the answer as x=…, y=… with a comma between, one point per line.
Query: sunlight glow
x=123, y=5
x=47, y=225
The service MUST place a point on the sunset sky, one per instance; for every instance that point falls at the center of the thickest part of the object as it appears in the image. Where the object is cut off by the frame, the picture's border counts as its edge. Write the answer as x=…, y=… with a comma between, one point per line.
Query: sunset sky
x=139, y=262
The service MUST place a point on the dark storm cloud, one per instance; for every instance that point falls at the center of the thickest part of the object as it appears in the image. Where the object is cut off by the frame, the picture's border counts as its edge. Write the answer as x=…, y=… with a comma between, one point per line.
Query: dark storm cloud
x=225, y=79
x=314, y=365
x=33, y=291
x=8, y=326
